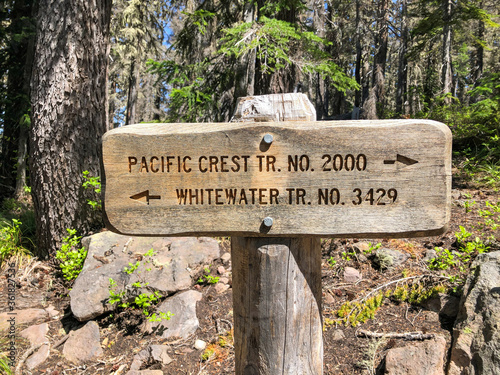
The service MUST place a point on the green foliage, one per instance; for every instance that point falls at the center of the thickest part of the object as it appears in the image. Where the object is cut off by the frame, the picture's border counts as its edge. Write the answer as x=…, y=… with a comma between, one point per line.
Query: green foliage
x=444, y=260
x=94, y=183
x=353, y=313
x=132, y=267
x=332, y=262
x=416, y=293
x=275, y=42
x=71, y=256
x=11, y=243
x=209, y=279
x=133, y=296
x=20, y=214
x=372, y=248
x=4, y=365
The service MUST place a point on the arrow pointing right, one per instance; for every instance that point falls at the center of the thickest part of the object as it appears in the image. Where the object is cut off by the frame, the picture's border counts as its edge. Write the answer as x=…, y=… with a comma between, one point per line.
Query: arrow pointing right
x=402, y=159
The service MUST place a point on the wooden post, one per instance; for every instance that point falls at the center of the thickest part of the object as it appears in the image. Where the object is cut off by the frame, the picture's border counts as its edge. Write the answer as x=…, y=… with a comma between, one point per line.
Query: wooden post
x=277, y=281
x=277, y=305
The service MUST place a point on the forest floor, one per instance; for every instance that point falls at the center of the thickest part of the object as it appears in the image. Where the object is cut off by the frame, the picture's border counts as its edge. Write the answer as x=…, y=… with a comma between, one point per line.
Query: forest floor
x=344, y=351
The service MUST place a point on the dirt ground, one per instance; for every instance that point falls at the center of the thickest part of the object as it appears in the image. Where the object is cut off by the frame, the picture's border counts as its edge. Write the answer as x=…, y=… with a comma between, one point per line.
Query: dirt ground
x=344, y=351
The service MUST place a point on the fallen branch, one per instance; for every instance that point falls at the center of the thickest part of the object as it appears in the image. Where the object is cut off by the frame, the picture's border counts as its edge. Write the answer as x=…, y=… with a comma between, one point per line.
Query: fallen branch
x=409, y=336
x=61, y=341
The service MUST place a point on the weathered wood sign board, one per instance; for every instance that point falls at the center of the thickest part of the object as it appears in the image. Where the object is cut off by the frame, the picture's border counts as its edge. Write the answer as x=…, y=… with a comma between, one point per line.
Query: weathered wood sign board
x=351, y=178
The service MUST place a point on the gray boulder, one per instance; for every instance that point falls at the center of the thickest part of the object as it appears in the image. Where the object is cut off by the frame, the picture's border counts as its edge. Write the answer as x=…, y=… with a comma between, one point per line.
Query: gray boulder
x=476, y=335
x=170, y=269
x=386, y=258
x=184, y=321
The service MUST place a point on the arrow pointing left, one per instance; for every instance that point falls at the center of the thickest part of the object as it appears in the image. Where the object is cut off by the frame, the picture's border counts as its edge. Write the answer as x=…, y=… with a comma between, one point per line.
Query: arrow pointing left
x=144, y=194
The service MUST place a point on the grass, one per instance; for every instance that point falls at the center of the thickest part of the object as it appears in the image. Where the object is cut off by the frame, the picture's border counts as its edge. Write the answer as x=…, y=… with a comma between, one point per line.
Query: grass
x=17, y=232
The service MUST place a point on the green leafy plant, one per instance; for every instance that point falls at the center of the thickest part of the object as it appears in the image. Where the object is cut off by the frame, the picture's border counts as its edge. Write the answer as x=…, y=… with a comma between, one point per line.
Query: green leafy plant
x=372, y=248
x=134, y=296
x=468, y=205
x=71, y=256
x=462, y=235
x=444, y=260
x=11, y=242
x=346, y=255
x=91, y=182
x=331, y=261
x=209, y=279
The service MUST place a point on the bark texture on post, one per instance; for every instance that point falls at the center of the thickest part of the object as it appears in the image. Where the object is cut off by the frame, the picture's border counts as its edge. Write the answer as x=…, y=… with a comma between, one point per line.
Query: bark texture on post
x=277, y=305
x=68, y=114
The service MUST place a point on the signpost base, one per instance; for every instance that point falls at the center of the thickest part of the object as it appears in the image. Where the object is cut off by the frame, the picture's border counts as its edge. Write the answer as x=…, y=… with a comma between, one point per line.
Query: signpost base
x=277, y=305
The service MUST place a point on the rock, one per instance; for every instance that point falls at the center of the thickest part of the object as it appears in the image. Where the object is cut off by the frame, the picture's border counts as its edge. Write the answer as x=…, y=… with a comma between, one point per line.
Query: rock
x=443, y=304
x=329, y=299
x=338, y=334
x=37, y=335
x=221, y=270
x=224, y=280
x=429, y=255
x=351, y=275
x=200, y=345
x=184, y=321
x=171, y=269
x=385, y=258
x=476, y=335
x=154, y=353
x=159, y=354
x=417, y=358
x=84, y=344
x=221, y=288
x=226, y=258
x=27, y=316
x=362, y=247
x=145, y=372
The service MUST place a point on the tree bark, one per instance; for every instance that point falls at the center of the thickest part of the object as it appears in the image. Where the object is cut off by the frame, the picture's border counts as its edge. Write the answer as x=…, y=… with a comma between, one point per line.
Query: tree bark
x=69, y=114
x=401, y=92
x=381, y=43
x=245, y=68
x=446, y=74
x=321, y=94
x=357, y=73
x=20, y=60
x=132, y=93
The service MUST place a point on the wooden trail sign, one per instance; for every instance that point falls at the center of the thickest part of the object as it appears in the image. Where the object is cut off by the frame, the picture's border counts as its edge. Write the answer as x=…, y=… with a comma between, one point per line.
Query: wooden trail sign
x=342, y=178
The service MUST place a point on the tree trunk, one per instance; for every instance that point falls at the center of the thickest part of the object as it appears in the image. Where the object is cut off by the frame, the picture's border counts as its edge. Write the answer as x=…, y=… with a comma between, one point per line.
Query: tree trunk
x=380, y=58
x=319, y=22
x=401, y=92
x=20, y=53
x=24, y=125
x=357, y=73
x=446, y=74
x=69, y=114
x=245, y=68
x=132, y=93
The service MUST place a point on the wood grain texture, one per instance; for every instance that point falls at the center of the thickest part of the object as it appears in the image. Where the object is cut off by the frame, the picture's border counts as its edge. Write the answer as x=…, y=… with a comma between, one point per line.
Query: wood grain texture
x=393, y=178
x=274, y=107
x=277, y=305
